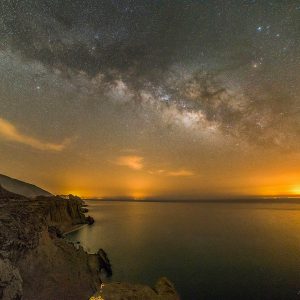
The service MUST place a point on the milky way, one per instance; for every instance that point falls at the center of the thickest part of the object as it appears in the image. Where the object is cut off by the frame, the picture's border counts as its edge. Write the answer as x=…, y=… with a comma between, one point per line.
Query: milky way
x=183, y=83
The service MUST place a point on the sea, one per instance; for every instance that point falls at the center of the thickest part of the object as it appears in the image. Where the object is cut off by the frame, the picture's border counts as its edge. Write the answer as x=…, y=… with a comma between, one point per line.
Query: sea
x=209, y=250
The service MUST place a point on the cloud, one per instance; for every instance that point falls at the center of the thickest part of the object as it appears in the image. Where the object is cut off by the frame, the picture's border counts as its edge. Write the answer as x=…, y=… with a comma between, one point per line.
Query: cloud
x=131, y=161
x=9, y=132
x=180, y=173
x=157, y=172
x=177, y=173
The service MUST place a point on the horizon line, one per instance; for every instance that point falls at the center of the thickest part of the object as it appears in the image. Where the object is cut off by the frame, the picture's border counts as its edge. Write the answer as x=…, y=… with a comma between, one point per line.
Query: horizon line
x=253, y=199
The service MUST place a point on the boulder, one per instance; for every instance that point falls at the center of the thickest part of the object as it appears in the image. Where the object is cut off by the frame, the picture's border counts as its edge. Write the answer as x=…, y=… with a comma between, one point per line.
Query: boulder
x=90, y=220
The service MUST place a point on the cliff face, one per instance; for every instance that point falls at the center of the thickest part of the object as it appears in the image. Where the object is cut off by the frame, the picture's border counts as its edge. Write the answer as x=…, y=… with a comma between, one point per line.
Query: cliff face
x=34, y=262
x=62, y=213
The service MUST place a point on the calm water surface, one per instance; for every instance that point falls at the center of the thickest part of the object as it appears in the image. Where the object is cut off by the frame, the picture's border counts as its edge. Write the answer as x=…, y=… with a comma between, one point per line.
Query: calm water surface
x=209, y=251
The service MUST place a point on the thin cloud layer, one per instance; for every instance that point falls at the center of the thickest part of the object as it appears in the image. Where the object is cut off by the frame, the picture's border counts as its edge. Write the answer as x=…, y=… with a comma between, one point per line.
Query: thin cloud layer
x=131, y=161
x=9, y=132
x=176, y=173
x=180, y=173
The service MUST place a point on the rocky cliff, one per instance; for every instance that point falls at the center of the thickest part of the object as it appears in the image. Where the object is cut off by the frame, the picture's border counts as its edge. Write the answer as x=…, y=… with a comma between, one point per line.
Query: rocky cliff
x=35, y=263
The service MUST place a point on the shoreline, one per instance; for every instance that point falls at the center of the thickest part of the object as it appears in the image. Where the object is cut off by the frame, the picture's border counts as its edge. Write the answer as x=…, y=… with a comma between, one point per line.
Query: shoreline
x=73, y=229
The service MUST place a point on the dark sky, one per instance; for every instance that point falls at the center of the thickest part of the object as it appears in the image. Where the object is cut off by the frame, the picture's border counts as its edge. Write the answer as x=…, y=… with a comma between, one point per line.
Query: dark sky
x=173, y=99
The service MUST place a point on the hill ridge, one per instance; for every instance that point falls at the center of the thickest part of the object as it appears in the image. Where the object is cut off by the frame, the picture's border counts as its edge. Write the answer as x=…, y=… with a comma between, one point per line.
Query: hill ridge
x=21, y=187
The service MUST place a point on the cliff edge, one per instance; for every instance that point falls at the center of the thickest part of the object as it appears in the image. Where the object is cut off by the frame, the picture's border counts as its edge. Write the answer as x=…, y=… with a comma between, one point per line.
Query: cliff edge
x=35, y=262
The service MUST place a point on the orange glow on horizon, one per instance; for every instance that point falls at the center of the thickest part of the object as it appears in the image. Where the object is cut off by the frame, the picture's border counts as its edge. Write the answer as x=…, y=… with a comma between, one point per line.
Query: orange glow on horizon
x=120, y=182
x=141, y=190
x=295, y=190
x=75, y=193
x=138, y=196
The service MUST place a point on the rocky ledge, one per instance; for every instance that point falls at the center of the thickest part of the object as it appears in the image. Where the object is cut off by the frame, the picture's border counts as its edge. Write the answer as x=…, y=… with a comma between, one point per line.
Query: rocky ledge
x=36, y=262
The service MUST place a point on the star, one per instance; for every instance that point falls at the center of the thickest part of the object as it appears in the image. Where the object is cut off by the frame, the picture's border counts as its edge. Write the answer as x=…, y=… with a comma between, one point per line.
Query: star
x=180, y=82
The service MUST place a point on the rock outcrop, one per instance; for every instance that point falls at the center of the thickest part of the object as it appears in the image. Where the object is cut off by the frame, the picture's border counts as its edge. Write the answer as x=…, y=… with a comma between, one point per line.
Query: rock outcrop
x=35, y=262
x=104, y=261
x=62, y=213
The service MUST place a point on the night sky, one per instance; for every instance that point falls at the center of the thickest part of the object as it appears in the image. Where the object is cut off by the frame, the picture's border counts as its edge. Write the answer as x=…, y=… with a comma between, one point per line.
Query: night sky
x=166, y=99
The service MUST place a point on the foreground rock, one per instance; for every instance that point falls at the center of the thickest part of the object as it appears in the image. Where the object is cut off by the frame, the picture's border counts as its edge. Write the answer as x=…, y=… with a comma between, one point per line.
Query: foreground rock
x=35, y=262
x=163, y=290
